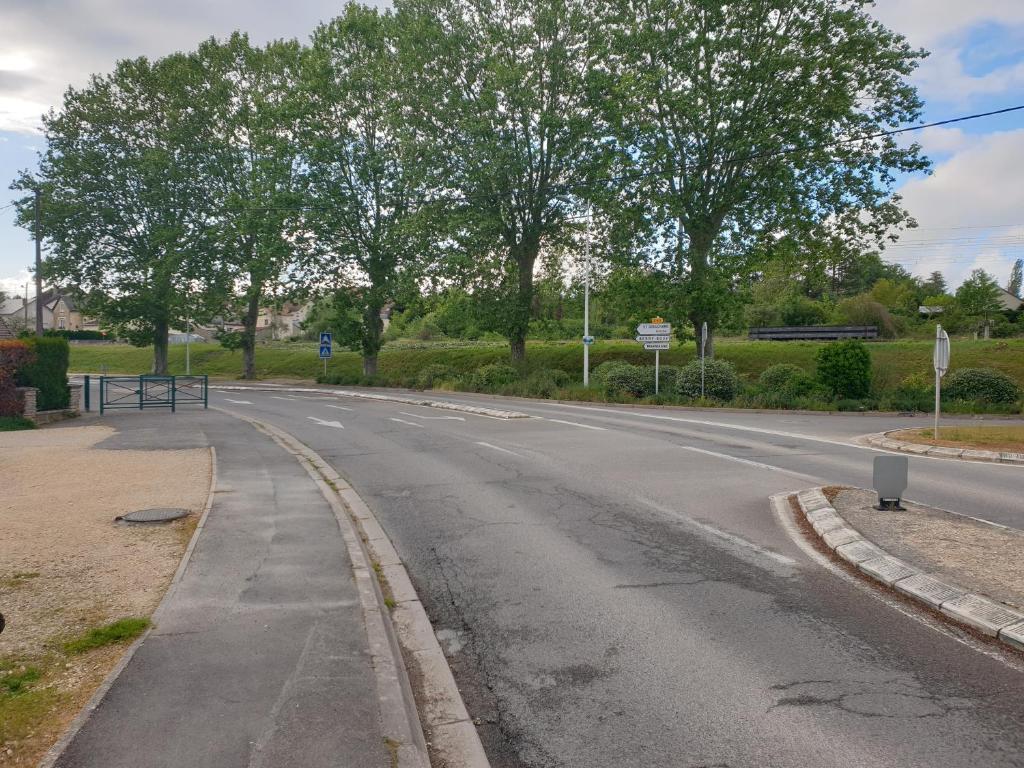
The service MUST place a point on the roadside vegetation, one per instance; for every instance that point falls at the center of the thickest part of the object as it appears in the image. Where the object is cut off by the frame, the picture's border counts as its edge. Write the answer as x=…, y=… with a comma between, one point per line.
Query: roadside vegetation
x=1008, y=438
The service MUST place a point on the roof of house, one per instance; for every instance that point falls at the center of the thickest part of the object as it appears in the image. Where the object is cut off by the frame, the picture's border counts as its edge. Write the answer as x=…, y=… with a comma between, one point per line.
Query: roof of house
x=1008, y=300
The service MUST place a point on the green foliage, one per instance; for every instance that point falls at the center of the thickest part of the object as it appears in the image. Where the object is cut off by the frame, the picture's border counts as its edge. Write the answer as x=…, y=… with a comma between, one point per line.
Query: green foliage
x=979, y=294
x=668, y=379
x=426, y=378
x=786, y=380
x=983, y=385
x=48, y=372
x=863, y=310
x=801, y=311
x=109, y=634
x=15, y=423
x=599, y=375
x=914, y=393
x=720, y=380
x=77, y=335
x=1016, y=284
x=494, y=377
x=626, y=379
x=844, y=367
x=545, y=382
x=13, y=683
x=230, y=340
x=14, y=357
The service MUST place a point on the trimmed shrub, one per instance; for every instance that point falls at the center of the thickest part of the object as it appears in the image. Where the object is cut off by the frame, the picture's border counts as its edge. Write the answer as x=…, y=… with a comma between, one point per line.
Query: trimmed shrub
x=844, y=367
x=494, y=376
x=626, y=379
x=48, y=373
x=599, y=375
x=14, y=356
x=982, y=385
x=720, y=380
x=434, y=372
x=545, y=382
x=786, y=379
x=668, y=379
x=863, y=310
x=914, y=393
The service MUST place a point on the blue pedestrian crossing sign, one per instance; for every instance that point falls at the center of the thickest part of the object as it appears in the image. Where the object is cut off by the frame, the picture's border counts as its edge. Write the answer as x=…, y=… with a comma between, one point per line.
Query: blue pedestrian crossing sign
x=325, y=345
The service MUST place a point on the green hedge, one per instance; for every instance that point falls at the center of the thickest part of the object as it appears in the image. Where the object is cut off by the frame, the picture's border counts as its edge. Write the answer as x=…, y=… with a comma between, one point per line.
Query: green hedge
x=48, y=373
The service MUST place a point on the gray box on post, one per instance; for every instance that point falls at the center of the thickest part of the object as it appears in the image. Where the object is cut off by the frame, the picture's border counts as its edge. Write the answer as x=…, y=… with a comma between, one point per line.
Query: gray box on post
x=890, y=480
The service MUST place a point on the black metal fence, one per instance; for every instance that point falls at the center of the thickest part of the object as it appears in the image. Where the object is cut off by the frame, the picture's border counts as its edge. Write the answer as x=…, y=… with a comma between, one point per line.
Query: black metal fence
x=148, y=391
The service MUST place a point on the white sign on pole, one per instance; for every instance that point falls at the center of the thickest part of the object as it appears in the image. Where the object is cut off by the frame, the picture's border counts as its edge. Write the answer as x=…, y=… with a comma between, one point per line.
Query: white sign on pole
x=940, y=361
x=656, y=344
x=652, y=337
x=658, y=329
x=703, y=344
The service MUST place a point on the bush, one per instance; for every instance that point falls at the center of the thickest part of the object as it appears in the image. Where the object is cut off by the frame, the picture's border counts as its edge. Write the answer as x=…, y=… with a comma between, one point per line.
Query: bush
x=626, y=379
x=49, y=372
x=599, y=375
x=844, y=367
x=720, y=380
x=982, y=385
x=14, y=356
x=545, y=382
x=434, y=372
x=914, y=393
x=801, y=311
x=78, y=335
x=494, y=376
x=786, y=378
x=863, y=310
x=668, y=379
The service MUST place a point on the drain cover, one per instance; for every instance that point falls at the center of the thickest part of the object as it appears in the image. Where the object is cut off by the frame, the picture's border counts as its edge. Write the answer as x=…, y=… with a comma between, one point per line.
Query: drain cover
x=156, y=515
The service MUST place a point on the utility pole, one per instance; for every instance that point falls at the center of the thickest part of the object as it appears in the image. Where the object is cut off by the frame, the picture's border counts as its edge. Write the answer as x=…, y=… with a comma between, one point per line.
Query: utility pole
x=39, y=264
x=587, y=341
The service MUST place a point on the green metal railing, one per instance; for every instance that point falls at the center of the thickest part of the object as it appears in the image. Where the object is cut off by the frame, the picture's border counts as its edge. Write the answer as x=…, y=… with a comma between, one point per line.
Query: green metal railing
x=148, y=391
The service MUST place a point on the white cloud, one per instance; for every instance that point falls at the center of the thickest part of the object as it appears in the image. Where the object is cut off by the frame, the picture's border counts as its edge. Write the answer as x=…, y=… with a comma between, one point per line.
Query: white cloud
x=961, y=206
x=16, y=285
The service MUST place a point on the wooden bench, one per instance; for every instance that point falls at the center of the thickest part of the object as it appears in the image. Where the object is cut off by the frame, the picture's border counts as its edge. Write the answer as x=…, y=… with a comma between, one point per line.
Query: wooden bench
x=814, y=333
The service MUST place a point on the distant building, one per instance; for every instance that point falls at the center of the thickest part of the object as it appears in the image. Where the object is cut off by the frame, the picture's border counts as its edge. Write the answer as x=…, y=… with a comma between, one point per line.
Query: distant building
x=284, y=322
x=60, y=311
x=1008, y=301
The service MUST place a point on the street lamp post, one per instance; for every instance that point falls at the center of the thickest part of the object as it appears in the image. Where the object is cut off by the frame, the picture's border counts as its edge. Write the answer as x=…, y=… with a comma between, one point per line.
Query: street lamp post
x=586, y=303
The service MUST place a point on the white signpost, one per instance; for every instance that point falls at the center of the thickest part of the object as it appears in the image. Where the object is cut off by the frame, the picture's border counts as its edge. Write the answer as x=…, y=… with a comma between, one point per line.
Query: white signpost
x=940, y=360
x=655, y=335
x=703, y=344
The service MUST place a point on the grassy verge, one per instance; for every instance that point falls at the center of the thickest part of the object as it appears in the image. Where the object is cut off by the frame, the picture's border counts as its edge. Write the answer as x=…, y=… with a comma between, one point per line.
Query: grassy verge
x=109, y=634
x=14, y=423
x=990, y=438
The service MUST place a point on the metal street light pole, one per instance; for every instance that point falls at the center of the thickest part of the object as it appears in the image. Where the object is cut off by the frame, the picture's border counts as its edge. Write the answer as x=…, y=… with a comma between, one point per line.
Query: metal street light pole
x=586, y=303
x=39, y=264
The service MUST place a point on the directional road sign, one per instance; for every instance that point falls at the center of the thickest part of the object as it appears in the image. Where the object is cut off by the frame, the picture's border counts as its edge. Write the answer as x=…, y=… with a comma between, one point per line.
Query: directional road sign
x=656, y=345
x=652, y=337
x=658, y=329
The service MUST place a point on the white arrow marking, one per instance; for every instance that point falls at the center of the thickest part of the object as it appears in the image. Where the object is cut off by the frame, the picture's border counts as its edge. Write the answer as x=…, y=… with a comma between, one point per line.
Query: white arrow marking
x=239, y=402
x=339, y=407
x=410, y=423
x=418, y=416
x=322, y=423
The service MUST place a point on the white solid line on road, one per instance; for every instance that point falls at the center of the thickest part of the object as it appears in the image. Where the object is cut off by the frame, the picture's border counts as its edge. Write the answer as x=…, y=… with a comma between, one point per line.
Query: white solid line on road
x=719, y=533
x=339, y=407
x=748, y=462
x=441, y=418
x=410, y=423
x=498, y=448
x=276, y=397
x=239, y=402
x=574, y=424
x=322, y=423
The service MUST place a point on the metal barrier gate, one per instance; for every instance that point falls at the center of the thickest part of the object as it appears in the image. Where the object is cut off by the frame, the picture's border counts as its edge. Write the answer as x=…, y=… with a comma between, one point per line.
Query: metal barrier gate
x=148, y=391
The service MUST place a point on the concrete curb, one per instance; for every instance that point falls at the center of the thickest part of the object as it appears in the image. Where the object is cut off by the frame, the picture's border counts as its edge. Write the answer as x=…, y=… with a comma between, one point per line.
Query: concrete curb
x=883, y=441
x=493, y=413
x=987, y=616
x=453, y=735
x=53, y=753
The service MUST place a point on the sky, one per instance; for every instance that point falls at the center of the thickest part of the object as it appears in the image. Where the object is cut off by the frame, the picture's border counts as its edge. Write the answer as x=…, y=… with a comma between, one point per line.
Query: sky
x=970, y=208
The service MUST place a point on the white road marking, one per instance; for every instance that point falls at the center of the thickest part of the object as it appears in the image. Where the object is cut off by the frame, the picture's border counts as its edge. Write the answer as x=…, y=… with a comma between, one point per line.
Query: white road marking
x=239, y=402
x=339, y=407
x=410, y=423
x=275, y=397
x=748, y=462
x=784, y=516
x=322, y=423
x=498, y=448
x=574, y=424
x=442, y=418
x=719, y=533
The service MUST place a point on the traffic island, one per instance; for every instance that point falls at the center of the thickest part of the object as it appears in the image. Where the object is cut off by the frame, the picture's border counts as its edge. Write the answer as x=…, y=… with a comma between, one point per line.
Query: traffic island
x=967, y=569
x=993, y=444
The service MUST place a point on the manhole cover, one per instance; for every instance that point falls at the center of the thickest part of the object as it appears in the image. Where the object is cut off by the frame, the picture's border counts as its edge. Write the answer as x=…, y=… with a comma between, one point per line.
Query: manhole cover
x=156, y=515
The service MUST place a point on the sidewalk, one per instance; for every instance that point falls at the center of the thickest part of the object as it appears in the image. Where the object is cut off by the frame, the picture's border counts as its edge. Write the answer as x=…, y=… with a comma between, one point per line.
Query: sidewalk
x=260, y=656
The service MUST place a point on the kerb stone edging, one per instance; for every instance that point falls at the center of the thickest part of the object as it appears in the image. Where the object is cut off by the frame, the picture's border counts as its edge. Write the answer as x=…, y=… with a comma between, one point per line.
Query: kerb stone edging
x=987, y=616
x=54, y=753
x=882, y=440
x=453, y=733
x=493, y=413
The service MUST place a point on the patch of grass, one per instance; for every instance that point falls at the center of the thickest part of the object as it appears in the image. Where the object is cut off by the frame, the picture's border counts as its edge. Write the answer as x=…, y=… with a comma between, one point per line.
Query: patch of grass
x=15, y=423
x=16, y=681
x=994, y=438
x=116, y=632
x=18, y=578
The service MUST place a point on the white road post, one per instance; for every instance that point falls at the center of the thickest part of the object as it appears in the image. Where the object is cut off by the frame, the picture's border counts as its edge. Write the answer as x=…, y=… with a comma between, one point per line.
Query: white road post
x=188, y=338
x=703, y=344
x=586, y=302
x=657, y=362
x=940, y=360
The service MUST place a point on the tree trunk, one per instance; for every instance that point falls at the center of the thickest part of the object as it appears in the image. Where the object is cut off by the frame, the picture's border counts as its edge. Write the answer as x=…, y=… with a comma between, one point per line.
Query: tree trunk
x=252, y=314
x=160, y=341
x=701, y=296
x=373, y=328
x=369, y=365
x=525, y=254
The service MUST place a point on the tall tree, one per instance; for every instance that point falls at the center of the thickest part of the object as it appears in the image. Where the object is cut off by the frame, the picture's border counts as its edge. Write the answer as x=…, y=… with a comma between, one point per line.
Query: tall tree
x=741, y=123
x=123, y=214
x=935, y=285
x=978, y=295
x=1016, y=278
x=361, y=191
x=498, y=95
x=246, y=97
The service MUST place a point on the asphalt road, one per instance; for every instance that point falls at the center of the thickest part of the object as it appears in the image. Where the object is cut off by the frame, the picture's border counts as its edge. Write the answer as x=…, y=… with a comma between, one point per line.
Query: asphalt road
x=615, y=590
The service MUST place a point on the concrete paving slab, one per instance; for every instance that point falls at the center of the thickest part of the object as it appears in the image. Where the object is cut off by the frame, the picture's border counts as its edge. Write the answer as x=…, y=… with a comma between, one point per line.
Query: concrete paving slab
x=928, y=589
x=839, y=536
x=1013, y=635
x=858, y=551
